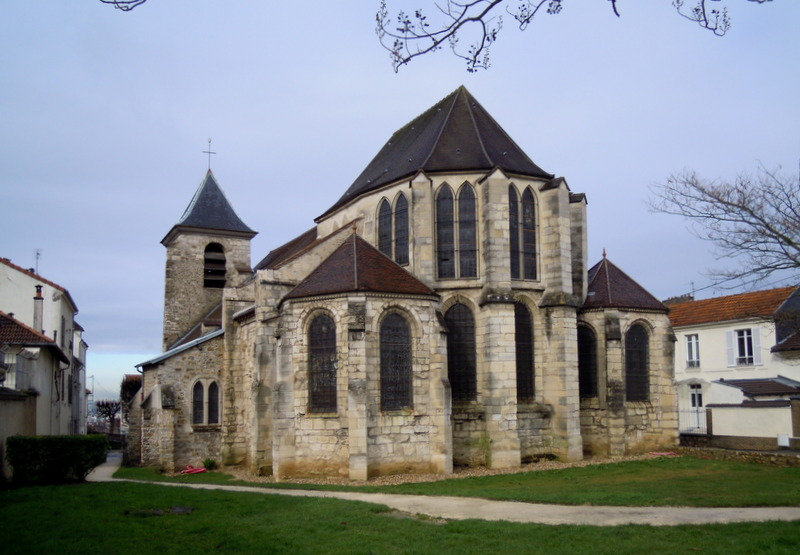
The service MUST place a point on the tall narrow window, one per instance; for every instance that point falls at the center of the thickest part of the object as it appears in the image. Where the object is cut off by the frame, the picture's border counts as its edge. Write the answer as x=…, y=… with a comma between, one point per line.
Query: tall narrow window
x=214, y=266
x=587, y=362
x=461, y=365
x=692, y=351
x=513, y=231
x=213, y=403
x=744, y=347
x=198, y=402
x=445, y=234
x=528, y=235
x=385, y=228
x=523, y=340
x=322, y=365
x=637, y=378
x=396, y=392
x=401, y=230
x=467, y=233
x=522, y=234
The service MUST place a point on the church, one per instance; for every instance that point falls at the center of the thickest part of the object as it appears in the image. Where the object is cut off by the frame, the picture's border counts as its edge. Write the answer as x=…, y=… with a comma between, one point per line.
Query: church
x=441, y=313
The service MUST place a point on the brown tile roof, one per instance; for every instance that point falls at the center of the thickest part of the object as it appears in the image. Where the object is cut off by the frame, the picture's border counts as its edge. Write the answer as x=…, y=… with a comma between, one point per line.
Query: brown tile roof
x=31, y=273
x=358, y=266
x=757, y=304
x=14, y=332
x=456, y=134
x=610, y=287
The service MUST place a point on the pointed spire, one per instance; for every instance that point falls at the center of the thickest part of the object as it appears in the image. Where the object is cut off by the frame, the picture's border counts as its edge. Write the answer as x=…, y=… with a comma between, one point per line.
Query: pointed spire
x=210, y=210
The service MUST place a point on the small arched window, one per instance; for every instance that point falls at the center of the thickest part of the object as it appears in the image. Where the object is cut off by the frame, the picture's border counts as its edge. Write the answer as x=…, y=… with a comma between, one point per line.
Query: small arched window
x=401, y=230
x=637, y=376
x=523, y=340
x=385, y=228
x=214, y=266
x=205, y=403
x=461, y=365
x=396, y=379
x=322, y=365
x=587, y=362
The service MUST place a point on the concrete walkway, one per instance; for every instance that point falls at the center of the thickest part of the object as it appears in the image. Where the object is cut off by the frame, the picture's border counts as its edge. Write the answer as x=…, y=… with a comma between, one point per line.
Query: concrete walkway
x=460, y=508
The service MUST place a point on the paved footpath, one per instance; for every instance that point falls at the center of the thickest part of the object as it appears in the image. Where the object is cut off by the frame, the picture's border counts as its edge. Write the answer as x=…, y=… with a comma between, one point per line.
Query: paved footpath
x=460, y=508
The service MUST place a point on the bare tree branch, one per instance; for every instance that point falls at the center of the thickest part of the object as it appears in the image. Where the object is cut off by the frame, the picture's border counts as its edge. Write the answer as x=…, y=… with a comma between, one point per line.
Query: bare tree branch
x=408, y=36
x=754, y=220
x=124, y=5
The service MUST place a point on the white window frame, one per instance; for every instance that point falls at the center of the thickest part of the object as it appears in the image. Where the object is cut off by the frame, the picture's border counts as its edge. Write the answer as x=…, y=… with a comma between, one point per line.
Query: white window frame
x=738, y=346
x=692, y=350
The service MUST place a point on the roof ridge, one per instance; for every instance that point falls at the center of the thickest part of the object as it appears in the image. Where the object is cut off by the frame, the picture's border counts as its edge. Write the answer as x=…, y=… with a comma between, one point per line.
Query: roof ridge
x=453, y=94
x=475, y=125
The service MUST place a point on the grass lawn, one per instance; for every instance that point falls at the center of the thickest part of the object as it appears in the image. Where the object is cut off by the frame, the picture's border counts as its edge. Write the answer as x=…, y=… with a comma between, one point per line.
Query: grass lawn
x=123, y=518
x=665, y=481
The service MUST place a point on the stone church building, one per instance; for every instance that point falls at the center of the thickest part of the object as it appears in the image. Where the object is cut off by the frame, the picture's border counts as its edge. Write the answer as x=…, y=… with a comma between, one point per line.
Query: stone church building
x=440, y=313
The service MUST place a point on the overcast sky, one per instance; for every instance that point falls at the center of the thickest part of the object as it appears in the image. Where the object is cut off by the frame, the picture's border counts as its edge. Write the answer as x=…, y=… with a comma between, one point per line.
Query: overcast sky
x=105, y=116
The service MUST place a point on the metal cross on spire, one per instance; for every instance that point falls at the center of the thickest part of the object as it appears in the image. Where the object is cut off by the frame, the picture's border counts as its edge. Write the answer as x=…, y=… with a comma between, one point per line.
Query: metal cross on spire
x=209, y=152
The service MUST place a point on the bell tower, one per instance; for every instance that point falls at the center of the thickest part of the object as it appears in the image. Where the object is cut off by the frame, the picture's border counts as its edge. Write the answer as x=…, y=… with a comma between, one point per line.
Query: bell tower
x=207, y=250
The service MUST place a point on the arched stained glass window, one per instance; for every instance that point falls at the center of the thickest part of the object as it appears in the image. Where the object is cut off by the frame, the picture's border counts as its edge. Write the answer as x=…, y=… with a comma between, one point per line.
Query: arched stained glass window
x=401, y=230
x=213, y=403
x=385, y=228
x=522, y=234
x=445, y=234
x=198, y=404
x=523, y=340
x=322, y=365
x=461, y=358
x=587, y=362
x=467, y=233
x=513, y=231
x=396, y=378
x=637, y=378
x=214, y=266
x=528, y=235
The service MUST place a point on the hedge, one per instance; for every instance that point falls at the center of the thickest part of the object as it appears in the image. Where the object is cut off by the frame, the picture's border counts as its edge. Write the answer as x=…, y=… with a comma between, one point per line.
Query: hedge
x=54, y=459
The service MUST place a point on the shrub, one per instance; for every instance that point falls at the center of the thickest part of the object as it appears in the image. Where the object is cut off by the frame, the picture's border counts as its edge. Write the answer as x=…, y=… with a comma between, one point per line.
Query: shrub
x=209, y=464
x=54, y=459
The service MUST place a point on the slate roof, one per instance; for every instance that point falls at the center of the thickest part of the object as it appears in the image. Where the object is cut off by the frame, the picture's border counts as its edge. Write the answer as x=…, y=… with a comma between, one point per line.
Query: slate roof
x=31, y=273
x=610, y=287
x=759, y=387
x=756, y=304
x=280, y=254
x=358, y=266
x=209, y=209
x=457, y=134
x=14, y=332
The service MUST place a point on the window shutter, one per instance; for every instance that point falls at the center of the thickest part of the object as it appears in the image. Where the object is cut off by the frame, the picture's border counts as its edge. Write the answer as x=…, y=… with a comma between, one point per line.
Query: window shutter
x=756, y=334
x=731, y=342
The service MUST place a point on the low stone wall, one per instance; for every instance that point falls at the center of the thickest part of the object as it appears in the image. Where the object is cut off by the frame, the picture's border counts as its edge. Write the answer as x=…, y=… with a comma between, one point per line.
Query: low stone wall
x=778, y=458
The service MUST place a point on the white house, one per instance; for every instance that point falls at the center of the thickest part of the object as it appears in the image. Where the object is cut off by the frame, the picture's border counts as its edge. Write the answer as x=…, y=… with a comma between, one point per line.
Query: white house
x=739, y=356
x=48, y=310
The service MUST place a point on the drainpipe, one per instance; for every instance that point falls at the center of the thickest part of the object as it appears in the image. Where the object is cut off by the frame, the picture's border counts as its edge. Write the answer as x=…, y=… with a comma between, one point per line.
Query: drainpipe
x=38, y=307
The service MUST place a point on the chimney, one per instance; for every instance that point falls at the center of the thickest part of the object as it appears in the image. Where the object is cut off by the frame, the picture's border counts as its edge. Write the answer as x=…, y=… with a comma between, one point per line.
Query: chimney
x=38, y=307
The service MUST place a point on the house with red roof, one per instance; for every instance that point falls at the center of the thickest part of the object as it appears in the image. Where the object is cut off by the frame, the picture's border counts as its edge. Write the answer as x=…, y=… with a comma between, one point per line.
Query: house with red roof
x=441, y=312
x=737, y=365
x=48, y=310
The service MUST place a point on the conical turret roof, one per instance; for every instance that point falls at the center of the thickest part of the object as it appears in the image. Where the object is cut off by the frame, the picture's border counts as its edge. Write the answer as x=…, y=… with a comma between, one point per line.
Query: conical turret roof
x=210, y=210
x=455, y=135
x=610, y=287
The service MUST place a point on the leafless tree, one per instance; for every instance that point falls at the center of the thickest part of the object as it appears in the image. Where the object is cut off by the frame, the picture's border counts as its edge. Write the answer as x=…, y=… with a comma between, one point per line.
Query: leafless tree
x=754, y=220
x=478, y=22
x=108, y=409
x=124, y=5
